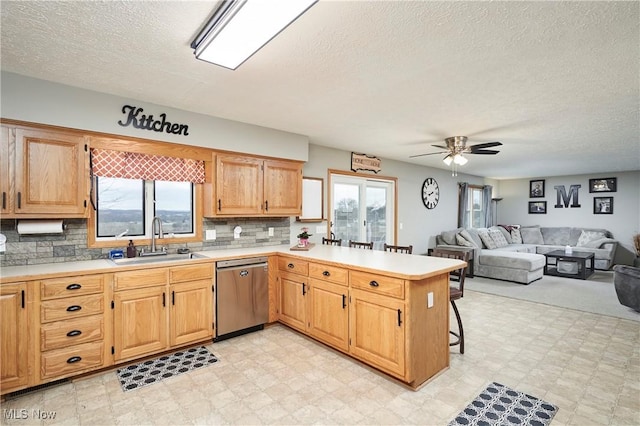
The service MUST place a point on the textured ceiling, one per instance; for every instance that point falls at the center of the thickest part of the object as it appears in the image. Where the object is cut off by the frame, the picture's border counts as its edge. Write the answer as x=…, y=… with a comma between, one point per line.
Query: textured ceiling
x=556, y=82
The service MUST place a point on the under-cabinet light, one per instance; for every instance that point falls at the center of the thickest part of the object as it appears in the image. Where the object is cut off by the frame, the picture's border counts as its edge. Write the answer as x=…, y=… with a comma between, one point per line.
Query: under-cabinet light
x=239, y=28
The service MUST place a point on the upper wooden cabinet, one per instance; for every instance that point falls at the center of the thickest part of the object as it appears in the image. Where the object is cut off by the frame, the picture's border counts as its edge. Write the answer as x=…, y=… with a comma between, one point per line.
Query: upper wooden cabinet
x=44, y=173
x=250, y=186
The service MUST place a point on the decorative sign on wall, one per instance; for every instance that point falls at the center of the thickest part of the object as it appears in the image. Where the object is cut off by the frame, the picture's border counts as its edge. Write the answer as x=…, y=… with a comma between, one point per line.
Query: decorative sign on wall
x=567, y=200
x=365, y=162
x=135, y=118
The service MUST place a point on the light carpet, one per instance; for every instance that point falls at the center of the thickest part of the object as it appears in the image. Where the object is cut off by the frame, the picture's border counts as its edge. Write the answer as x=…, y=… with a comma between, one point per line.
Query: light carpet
x=596, y=294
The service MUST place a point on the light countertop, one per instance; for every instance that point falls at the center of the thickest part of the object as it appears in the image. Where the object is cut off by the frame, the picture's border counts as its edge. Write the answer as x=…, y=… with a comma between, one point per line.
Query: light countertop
x=404, y=266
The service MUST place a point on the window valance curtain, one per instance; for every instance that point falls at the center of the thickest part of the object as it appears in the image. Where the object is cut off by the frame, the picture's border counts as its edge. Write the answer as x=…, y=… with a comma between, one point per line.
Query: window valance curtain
x=132, y=165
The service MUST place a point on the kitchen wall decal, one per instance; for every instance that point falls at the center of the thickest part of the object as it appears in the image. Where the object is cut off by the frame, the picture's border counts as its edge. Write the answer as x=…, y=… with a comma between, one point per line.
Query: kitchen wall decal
x=365, y=162
x=135, y=118
x=563, y=199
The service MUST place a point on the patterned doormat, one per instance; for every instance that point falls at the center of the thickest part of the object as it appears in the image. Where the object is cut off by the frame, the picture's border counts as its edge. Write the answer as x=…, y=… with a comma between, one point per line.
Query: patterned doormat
x=499, y=405
x=138, y=375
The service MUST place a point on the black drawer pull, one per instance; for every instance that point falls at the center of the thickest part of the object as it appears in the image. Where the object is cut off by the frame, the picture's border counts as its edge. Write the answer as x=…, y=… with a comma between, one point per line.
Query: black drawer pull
x=291, y=265
x=374, y=284
x=344, y=301
x=219, y=204
x=304, y=289
x=74, y=333
x=4, y=200
x=74, y=359
x=399, y=317
x=74, y=287
x=74, y=308
x=19, y=200
x=326, y=273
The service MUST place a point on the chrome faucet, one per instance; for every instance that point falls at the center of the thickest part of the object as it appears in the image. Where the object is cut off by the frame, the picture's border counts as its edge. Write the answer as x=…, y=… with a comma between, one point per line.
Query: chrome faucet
x=153, y=234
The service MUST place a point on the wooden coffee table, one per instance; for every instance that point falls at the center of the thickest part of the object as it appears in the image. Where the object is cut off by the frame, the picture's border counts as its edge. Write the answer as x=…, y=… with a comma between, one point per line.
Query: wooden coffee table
x=579, y=258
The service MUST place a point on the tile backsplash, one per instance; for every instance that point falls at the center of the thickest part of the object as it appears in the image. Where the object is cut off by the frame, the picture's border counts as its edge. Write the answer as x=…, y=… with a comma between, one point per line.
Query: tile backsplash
x=71, y=245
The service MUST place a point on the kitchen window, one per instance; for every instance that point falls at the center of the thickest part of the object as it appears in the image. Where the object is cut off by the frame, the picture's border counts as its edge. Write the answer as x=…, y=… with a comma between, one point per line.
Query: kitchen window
x=131, y=188
x=126, y=207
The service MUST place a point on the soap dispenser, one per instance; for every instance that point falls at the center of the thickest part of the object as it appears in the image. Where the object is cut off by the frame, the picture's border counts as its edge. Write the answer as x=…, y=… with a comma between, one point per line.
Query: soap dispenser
x=131, y=249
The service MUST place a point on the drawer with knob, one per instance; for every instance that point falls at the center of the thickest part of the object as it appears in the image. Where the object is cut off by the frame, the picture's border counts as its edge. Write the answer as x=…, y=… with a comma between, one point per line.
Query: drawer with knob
x=380, y=284
x=72, y=307
x=61, y=334
x=296, y=266
x=62, y=362
x=329, y=273
x=56, y=288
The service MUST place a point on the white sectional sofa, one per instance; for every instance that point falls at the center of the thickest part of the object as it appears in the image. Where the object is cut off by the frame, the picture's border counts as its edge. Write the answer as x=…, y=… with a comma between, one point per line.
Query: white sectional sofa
x=516, y=253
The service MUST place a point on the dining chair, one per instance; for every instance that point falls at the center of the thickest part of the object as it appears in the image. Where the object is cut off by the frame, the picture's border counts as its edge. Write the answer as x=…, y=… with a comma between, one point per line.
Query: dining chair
x=455, y=291
x=398, y=249
x=362, y=245
x=332, y=242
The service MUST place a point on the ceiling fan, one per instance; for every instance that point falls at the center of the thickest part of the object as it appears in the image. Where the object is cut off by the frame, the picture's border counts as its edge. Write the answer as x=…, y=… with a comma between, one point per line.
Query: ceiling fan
x=456, y=146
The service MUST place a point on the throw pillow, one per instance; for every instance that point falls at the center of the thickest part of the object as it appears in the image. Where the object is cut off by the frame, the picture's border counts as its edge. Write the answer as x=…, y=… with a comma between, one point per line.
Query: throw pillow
x=462, y=241
x=501, y=228
x=498, y=238
x=516, y=237
x=587, y=236
x=486, y=239
x=531, y=235
x=471, y=235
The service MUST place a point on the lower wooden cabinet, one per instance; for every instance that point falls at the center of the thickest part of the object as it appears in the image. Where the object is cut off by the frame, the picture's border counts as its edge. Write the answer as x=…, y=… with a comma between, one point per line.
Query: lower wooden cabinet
x=140, y=322
x=329, y=313
x=293, y=300
x=14, y=353
x=71, y=360
x=191, y=313
x=155, y=318
x=377, y=331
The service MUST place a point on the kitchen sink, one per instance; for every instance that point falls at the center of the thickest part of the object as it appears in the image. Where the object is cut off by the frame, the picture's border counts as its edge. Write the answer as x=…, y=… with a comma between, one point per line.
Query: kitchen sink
x=156, y=259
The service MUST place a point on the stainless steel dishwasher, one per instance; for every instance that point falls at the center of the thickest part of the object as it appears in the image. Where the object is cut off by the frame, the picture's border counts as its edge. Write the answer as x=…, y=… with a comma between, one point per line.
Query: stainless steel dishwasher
x=242, y=297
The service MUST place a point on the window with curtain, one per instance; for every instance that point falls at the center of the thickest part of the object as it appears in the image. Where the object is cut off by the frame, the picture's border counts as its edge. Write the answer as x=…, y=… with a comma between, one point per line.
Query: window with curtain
x=474, y=206
x=132, y=188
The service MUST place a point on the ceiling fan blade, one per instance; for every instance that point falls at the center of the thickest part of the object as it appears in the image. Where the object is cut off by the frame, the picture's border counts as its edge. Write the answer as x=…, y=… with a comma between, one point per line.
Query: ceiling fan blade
x=440, y=146
x=484, y=151
x=431, y=153
x=484, y=145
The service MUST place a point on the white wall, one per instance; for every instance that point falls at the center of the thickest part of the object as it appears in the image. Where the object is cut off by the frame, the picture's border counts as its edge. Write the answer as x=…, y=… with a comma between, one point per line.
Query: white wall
x=623, y=223
x=419, y=225
x=40, y=101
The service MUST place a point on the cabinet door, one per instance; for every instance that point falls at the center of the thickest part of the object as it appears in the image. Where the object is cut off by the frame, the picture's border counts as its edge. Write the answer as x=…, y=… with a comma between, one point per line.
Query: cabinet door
x=5, y=187
x=13, y=336
x=51, y=173
x=238, y=185
x=191, y=316
x=329, y=314
x=377, y=328
x=140, y=322
x=282, y=188
x=293, y=308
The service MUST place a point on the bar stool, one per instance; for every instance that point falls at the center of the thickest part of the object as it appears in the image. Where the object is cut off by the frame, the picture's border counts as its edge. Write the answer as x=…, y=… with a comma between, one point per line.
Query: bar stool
x=357, y=244
x=455, y=292
x=332, y=242
x=398, y=249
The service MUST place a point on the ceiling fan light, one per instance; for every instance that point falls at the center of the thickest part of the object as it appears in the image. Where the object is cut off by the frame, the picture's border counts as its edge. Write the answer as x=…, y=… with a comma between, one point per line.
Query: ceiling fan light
x=459, y=159
x=447, y=160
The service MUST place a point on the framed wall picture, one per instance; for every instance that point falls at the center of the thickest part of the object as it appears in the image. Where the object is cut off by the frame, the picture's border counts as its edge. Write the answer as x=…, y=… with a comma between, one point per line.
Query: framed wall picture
x=603, y=185
x=603, y=205
x=312, y=200
x=537, y=207
x=536, y=188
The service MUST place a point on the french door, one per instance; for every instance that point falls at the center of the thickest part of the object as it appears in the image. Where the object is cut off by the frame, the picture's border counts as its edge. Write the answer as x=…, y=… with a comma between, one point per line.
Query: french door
x=362, y=209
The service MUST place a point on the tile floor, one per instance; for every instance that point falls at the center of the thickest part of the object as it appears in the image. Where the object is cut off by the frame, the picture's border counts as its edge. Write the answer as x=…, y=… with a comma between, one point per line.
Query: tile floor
x=587, y=364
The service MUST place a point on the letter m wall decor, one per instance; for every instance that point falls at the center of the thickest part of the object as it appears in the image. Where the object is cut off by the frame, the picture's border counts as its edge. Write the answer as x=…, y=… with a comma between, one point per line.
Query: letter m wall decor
x=563, y=200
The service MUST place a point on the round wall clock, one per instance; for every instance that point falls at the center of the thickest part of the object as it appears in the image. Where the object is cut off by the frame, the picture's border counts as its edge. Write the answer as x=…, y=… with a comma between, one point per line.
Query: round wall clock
x=430, y=193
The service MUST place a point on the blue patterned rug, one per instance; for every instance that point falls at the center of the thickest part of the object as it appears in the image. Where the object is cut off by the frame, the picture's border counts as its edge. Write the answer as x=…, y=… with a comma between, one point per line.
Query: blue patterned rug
x=145, y=373
x=499, y=405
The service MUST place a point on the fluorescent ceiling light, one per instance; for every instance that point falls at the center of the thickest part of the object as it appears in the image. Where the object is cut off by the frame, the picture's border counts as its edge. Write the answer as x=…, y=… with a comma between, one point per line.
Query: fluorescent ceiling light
x=239, y=28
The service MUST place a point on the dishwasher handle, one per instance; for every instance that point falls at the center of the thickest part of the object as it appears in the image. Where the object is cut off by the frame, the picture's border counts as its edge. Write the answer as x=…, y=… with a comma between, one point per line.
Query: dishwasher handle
x=240, y=267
